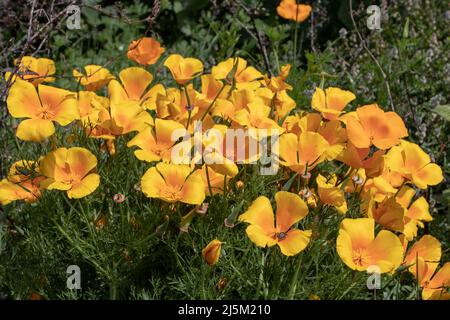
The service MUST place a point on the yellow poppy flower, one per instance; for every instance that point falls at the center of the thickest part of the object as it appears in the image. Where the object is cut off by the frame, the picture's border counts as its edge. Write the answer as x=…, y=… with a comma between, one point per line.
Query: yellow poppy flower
x=95, y=77
x=236, y=69
x=371, y=125
x=336, y=136
x=416, y=213
x=145, y=51
x=70, y=170
x=90, y=105
x=183, y=69
x=174, y=105
x=331, y=101
x=278, y=83
x=378, y=189
x=211, y=253
x=301, y=122
x=22, y=183
x=224, y=109
x=332, y=131
x=212, y=88
x=422, y=260
x=304, y=151
x=264, y=231
x=290, y=10
x=256, y=117
x=172, y=183
x=41, y=106
x=135, y=82
x=330, y=193
x=156, y=143
x=414, y=164
x=34, y=70
x=280, y=101
x=122, y=118
x=359, y=249
x=216, y=180
x=220, y=164
x=241, y=98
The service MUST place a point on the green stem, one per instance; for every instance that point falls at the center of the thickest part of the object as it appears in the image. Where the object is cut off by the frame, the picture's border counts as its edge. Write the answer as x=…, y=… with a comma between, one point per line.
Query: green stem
x=209, y=181
x=189, y=106
x=212, y=103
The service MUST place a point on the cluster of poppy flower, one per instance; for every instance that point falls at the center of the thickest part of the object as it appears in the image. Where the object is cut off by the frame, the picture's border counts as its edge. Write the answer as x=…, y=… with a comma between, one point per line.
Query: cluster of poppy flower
x=384, y=170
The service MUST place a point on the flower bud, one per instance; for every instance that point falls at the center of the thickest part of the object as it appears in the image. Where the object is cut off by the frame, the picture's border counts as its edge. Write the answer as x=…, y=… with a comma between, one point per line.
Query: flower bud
x=211, y=253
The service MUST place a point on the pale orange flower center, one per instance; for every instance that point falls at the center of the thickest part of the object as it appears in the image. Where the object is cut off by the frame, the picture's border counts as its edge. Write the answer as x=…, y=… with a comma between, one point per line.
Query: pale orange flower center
x=46, y=112
x=171, y=192
x=360, y=257
x=160, y=149
x=69, y=177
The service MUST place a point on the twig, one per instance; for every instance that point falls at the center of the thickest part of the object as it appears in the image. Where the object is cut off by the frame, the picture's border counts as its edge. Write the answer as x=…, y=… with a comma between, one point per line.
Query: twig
x=363, y=43
x=257, y=35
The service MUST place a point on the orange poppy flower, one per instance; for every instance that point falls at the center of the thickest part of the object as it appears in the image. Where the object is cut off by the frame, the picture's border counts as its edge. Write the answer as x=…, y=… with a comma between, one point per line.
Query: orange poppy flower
x=34, y=70
x=389, y=214
x=359, y=249
x=435, y=287
x=290, y=10
x=135, y=87
x=95, y=77
x=264, y=231
x=41, y=106
x=145, y=51
x=371, y=125
x=70, y=170
x=331, y=102
x=429, y=250
x=361, y=158
x=172, y=183
x=410, y=161
x=182, y=69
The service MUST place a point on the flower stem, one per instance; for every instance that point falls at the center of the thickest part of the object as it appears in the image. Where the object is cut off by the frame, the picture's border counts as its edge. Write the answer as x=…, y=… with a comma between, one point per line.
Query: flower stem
x=209, y=181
